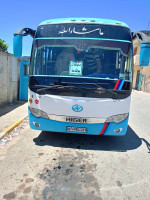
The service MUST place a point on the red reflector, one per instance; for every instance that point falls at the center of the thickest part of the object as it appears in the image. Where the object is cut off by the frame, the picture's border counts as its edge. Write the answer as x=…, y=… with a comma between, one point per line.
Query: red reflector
x=78, y=51
x=104, y=128
x=37, y=101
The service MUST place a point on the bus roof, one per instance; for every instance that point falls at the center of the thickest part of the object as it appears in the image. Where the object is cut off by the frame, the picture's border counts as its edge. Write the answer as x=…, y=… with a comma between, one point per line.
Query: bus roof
x=84, y=20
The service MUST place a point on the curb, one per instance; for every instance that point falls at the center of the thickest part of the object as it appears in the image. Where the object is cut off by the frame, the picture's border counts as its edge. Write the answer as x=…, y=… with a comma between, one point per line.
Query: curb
x=11, y=127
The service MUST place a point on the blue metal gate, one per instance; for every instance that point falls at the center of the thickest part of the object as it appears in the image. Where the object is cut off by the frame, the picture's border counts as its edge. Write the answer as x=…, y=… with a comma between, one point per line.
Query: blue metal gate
x=24, y=78
x=140, y=82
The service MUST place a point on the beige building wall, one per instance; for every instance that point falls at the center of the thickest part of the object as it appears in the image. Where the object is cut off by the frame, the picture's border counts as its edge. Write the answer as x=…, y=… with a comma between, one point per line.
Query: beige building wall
x=9, y=78
x=145, y=71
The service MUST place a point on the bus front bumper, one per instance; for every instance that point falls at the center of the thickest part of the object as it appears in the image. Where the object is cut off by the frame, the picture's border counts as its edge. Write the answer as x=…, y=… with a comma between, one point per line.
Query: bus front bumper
x=114, y=129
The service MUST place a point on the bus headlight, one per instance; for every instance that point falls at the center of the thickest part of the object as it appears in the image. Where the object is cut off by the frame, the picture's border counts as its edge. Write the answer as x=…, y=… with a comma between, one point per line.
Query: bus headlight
x=117, y=118
x=38, y=113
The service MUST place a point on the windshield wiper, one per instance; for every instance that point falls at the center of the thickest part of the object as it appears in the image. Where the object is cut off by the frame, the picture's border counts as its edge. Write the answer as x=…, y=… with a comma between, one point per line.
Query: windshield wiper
x=47, y=87
x=98, y=87
x=64, y=85
x=74, y=83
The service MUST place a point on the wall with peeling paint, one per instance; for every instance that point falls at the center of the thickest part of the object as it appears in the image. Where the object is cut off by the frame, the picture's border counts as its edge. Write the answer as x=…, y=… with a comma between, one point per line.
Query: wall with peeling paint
x=9, y=78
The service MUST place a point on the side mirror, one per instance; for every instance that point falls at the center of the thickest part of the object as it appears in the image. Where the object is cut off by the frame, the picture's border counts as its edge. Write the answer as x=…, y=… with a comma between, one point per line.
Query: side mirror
x=17, y=41
x=17, y=45
x=145, y=54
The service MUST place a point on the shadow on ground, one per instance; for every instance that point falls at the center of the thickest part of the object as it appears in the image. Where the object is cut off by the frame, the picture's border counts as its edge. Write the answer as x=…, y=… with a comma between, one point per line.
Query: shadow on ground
x=109, y=143
x=9, y=107
x=147, y=144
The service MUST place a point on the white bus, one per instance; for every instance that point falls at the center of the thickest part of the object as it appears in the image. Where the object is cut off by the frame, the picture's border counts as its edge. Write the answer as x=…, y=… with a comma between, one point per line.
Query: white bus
x=80, y=76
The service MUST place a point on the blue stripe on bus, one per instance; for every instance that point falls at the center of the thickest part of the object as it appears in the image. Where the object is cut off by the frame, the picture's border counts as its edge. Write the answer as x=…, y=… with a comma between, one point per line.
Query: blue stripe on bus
x=120, y=84
x=85, y=38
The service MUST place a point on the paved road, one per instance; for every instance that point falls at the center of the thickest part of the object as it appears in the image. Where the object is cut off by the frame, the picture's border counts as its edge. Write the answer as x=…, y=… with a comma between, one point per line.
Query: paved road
x=39, y=165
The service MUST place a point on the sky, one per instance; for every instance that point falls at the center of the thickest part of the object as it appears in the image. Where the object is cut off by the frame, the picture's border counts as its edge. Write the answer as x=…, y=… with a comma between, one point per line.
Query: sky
x=30, y=13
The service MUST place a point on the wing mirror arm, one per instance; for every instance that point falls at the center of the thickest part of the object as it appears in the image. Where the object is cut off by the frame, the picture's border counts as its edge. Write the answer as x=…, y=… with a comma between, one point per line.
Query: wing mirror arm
x=25, y=32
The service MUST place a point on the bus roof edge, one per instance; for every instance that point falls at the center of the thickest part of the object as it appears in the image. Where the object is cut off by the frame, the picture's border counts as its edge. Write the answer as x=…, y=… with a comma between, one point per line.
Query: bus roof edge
x=84, y=20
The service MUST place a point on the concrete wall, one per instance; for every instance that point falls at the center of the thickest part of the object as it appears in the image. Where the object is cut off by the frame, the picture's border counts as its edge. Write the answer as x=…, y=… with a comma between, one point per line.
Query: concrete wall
x=9, y=78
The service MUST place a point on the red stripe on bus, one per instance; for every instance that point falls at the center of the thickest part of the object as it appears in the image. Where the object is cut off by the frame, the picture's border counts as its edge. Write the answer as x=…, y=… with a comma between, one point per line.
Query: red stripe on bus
x=117, y=84
x=104, y=128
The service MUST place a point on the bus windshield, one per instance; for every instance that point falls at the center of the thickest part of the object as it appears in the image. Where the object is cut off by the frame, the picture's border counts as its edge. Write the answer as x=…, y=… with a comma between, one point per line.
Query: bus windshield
x=81, y=58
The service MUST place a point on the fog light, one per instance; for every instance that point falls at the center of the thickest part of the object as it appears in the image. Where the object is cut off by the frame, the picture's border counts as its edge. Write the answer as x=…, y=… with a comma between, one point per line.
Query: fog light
x=36, y=124
x=118, y=130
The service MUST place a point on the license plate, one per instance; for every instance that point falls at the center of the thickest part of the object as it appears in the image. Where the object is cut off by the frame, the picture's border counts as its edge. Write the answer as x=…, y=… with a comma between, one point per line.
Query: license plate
x=76, y=129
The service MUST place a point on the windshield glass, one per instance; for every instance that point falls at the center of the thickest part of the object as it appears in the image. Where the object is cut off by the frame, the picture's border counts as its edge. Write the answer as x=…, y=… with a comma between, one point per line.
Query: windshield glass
x=81, y=59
